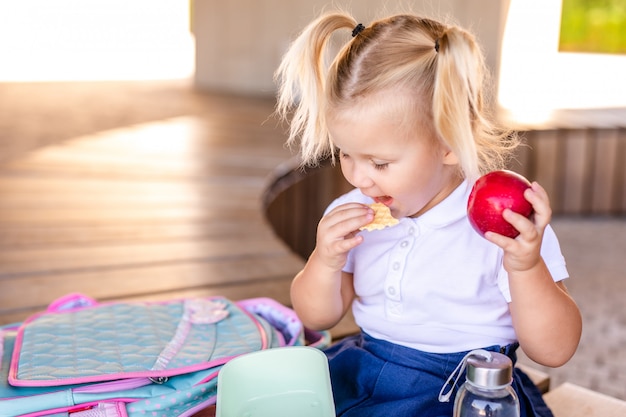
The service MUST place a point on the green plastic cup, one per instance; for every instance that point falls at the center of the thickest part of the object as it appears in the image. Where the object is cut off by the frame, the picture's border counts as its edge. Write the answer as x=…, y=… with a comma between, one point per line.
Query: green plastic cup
x=280, y=382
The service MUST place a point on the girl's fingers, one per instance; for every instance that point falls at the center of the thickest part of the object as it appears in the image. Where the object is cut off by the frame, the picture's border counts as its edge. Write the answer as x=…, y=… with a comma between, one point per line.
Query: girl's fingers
x=537, y=196
x=349, y=218
x=336, y=233
x=347, y=244
x=523, y=252
x=524, y=225
x=499, y=240
x=528, y=230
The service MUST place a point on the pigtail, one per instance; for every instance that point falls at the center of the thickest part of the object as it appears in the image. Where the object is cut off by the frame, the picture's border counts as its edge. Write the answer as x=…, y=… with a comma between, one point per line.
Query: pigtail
x=459, y=110
x=301, y=79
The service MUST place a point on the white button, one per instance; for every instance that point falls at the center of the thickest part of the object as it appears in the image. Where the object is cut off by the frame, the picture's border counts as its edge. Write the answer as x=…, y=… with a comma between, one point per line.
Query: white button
x=391, y=290
x=412, y=231
x=396, y=266
x=404, y=244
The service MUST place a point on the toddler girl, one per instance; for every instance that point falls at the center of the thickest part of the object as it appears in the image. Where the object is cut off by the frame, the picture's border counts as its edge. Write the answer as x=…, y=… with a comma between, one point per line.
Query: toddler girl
x=402, y=107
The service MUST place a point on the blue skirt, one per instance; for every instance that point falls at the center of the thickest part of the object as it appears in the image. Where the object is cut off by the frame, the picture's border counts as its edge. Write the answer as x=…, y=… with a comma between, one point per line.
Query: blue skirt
x=372, y=377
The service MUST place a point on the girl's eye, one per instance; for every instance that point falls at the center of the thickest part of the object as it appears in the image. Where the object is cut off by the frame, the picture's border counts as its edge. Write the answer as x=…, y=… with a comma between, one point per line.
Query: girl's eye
x=381, y=166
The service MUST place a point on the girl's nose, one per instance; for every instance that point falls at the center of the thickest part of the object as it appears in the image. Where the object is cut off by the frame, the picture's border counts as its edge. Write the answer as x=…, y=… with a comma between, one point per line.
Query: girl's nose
x=359, y=178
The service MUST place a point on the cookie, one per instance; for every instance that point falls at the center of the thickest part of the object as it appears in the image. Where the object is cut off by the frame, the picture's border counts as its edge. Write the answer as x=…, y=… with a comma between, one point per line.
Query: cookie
x=382, y=218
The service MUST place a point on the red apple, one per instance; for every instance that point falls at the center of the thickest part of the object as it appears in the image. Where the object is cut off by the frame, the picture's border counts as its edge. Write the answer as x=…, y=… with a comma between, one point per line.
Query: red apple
x=491, y=194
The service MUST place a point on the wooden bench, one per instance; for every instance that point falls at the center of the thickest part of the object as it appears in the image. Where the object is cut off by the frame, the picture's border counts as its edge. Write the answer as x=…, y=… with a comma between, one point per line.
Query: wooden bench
x=569, y=400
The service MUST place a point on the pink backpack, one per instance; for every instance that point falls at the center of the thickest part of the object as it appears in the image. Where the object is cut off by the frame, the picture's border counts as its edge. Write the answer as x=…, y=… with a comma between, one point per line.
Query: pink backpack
x=81, y=358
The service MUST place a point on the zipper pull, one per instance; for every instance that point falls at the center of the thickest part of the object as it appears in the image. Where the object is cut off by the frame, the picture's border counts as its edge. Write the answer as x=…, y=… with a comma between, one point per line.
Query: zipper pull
x=159, y=379
x=79, y=409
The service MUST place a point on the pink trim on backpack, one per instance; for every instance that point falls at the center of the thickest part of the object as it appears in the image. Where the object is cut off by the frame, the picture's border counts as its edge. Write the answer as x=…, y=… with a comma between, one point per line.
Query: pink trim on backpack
x=149, y=373
x=281, y=317
x=71, y=301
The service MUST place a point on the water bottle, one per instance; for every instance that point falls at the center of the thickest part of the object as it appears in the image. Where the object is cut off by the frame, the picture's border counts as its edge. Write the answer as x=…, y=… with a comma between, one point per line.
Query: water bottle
x=487, y=390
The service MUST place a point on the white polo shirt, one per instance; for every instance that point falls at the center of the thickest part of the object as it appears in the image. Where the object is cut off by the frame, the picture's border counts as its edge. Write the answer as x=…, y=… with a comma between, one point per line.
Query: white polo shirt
x=433, y=283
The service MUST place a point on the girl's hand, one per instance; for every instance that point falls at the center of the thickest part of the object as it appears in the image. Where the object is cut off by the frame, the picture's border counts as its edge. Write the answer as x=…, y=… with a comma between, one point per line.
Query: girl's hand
x=537, y=302
x=322, y=292
x=337, y=233
x=523, y=252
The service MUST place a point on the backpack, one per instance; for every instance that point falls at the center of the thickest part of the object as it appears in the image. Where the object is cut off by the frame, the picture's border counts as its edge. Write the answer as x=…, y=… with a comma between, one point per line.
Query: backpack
x=81, y=358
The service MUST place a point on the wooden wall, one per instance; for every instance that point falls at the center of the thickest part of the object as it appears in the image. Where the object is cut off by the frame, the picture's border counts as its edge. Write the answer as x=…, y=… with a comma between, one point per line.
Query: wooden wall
x=239, y=44
x=582, y=169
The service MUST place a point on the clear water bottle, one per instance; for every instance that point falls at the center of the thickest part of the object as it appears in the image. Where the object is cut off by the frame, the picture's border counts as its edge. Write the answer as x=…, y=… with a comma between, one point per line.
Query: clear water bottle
x=487, y=390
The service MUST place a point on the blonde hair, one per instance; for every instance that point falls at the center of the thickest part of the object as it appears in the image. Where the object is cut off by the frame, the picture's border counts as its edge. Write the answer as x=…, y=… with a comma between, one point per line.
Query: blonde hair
x=442, y=65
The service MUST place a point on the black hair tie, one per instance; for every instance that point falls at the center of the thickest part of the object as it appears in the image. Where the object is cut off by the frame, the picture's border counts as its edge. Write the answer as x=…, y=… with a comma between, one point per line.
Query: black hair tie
x=357, y=29
x=437, y=45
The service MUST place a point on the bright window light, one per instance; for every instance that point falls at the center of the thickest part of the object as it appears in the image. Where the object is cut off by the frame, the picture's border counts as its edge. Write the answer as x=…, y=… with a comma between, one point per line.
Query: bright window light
x=95, y=40
x=536, y=80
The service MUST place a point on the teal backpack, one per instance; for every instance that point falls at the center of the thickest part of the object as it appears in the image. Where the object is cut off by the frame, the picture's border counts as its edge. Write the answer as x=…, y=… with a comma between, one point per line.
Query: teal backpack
x=81, y=358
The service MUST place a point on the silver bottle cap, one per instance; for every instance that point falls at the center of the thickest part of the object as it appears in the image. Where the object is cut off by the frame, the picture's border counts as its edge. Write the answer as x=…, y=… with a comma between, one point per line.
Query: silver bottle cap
x=489, y=373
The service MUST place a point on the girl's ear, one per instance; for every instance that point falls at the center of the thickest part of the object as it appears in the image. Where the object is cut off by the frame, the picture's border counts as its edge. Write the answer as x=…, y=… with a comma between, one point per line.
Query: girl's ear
x=450, y=158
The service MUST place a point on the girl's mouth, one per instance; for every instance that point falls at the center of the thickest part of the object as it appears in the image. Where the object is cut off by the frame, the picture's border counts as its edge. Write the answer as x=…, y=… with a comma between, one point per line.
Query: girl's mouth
x=384, y=199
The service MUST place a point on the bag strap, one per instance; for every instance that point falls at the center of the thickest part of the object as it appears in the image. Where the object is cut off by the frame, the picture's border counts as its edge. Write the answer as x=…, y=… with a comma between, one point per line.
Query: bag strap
x=71, y=302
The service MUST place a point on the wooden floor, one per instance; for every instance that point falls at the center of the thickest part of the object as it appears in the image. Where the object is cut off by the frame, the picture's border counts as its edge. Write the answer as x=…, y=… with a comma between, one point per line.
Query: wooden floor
x=154, y=211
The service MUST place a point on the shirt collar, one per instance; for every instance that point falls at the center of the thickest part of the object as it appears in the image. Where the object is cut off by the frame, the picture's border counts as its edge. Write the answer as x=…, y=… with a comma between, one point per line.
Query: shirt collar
x=449, y=210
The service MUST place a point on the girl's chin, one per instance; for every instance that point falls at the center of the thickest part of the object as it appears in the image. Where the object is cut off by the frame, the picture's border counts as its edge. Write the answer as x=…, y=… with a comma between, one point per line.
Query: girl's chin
x=397, y=213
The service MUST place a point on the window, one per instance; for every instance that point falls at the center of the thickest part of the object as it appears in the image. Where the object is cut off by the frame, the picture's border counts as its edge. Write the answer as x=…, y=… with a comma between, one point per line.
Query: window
x=541, y=86
x=596, y=26
x=95, y=40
